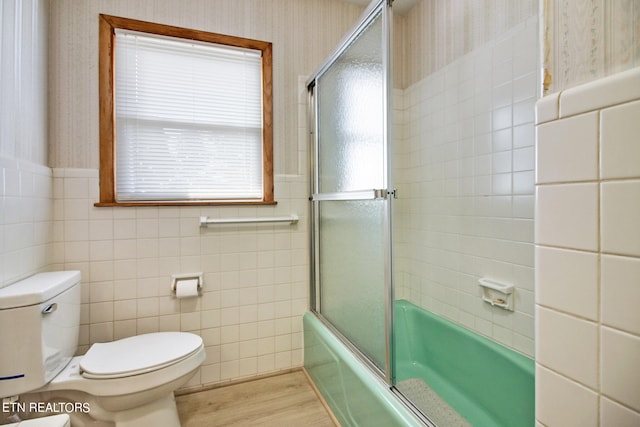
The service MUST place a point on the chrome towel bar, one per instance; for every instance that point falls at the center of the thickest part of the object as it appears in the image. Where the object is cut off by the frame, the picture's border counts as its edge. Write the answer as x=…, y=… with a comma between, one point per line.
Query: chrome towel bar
x=204, y=221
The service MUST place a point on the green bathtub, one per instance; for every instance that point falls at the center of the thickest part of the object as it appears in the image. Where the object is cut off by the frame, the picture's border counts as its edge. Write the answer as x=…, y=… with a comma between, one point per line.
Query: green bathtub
x=486, y=383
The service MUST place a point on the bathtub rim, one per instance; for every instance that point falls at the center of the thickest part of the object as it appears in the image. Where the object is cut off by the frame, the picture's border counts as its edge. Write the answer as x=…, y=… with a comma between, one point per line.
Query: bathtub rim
x=365, y=370
x=368, y=373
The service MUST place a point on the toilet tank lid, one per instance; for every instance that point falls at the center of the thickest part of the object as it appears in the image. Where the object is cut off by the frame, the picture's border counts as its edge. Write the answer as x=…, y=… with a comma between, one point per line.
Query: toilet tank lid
x=37, y=289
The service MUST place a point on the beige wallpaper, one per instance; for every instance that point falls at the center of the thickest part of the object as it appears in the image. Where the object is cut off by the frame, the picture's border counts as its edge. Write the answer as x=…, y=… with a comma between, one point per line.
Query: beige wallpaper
x=303, y=33
x=583, y=40
x=439, y=31
x=23, y=78
x=588, y=39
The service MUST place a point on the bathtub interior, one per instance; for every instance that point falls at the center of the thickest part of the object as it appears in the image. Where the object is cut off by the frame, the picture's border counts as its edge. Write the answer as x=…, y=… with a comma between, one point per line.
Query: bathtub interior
x=466, y=378
x=485, y=382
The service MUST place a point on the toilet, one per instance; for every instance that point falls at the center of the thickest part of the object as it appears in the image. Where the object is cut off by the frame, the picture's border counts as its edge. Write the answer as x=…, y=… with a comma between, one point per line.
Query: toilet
x=126, y=383
x=61, y=420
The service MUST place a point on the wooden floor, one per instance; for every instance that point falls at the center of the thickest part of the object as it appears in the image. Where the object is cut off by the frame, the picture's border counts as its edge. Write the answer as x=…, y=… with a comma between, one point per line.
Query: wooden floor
x=282, y=400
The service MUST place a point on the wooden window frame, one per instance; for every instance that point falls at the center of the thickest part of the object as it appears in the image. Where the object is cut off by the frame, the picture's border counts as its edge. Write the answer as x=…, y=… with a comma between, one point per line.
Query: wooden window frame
x=106, y=73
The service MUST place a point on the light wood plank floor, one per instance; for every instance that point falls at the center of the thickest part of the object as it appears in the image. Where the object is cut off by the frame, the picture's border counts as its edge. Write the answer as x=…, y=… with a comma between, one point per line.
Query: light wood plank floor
x=282, y=400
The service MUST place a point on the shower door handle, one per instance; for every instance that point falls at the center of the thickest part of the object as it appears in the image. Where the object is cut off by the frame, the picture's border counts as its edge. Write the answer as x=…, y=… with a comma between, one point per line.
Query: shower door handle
x=383, y=193
x=375, y=194
x=380, y=193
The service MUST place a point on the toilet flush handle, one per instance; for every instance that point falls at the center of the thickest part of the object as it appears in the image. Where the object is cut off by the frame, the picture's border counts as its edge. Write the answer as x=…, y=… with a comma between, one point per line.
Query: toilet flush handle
x=50, y=308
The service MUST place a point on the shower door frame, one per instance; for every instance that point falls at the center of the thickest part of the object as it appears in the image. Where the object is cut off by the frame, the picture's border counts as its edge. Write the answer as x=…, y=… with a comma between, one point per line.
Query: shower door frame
x=385, y=194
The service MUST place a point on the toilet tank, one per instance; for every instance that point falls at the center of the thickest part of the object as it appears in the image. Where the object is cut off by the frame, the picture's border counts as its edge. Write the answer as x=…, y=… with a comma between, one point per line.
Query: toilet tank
x=39, y=326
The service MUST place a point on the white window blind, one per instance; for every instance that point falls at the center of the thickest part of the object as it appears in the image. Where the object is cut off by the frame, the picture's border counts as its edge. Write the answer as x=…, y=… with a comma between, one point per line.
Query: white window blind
x=188, y=120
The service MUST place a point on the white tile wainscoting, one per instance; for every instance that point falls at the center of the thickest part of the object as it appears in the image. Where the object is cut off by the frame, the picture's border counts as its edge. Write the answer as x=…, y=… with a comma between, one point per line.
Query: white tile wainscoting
x=25, y=219
x=255, y=276
x=588, y=254
x=464, y=156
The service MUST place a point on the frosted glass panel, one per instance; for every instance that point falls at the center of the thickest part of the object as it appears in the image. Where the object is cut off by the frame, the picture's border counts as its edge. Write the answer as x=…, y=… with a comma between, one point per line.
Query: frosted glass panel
x=351, y=116
x=351, y=234
x=352, y=272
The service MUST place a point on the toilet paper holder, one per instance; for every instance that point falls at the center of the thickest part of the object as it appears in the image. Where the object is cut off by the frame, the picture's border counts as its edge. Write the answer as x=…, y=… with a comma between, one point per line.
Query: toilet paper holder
x=177, y=278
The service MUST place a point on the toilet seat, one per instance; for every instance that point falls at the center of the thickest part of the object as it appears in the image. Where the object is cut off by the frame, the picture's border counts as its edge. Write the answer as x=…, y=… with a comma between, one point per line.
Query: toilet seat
x=138, y=354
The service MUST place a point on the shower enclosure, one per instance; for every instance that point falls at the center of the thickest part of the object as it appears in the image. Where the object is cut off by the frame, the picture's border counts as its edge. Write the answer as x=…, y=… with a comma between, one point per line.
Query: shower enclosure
x=405, y=224
x=351, y=194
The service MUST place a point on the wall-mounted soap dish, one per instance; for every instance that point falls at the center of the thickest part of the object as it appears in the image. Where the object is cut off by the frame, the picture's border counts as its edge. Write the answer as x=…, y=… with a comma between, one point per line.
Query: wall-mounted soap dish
x=497, y=294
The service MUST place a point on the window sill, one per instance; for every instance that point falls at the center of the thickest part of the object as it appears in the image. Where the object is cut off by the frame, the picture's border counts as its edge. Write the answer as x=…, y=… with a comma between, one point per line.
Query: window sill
x=185, y=203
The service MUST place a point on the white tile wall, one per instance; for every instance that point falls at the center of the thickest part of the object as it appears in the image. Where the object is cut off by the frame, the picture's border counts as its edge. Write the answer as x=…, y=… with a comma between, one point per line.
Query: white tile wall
x=567, y=215
x=620, y=210
x=464, y=165
x=563, y=402
x=26, y=195
x=570, y=281
x=25, y=182
x=256, y=276
x=620, y=277
x=588, y=256
x=620, y=355
x=570, y=345
x=620, y=151
x=614, y=414
x=568, y=149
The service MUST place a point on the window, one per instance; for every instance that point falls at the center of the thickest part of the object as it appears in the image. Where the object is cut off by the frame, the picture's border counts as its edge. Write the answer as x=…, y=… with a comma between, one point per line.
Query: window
x=185, y=116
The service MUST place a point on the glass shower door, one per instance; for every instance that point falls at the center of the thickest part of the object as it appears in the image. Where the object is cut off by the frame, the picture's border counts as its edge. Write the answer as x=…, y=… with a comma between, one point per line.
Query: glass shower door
x=351, y=201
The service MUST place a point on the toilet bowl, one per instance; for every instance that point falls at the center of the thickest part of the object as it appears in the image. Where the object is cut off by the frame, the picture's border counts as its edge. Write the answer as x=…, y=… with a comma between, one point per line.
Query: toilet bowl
x=126, y=383
x=52, y=421
x=130, y=380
